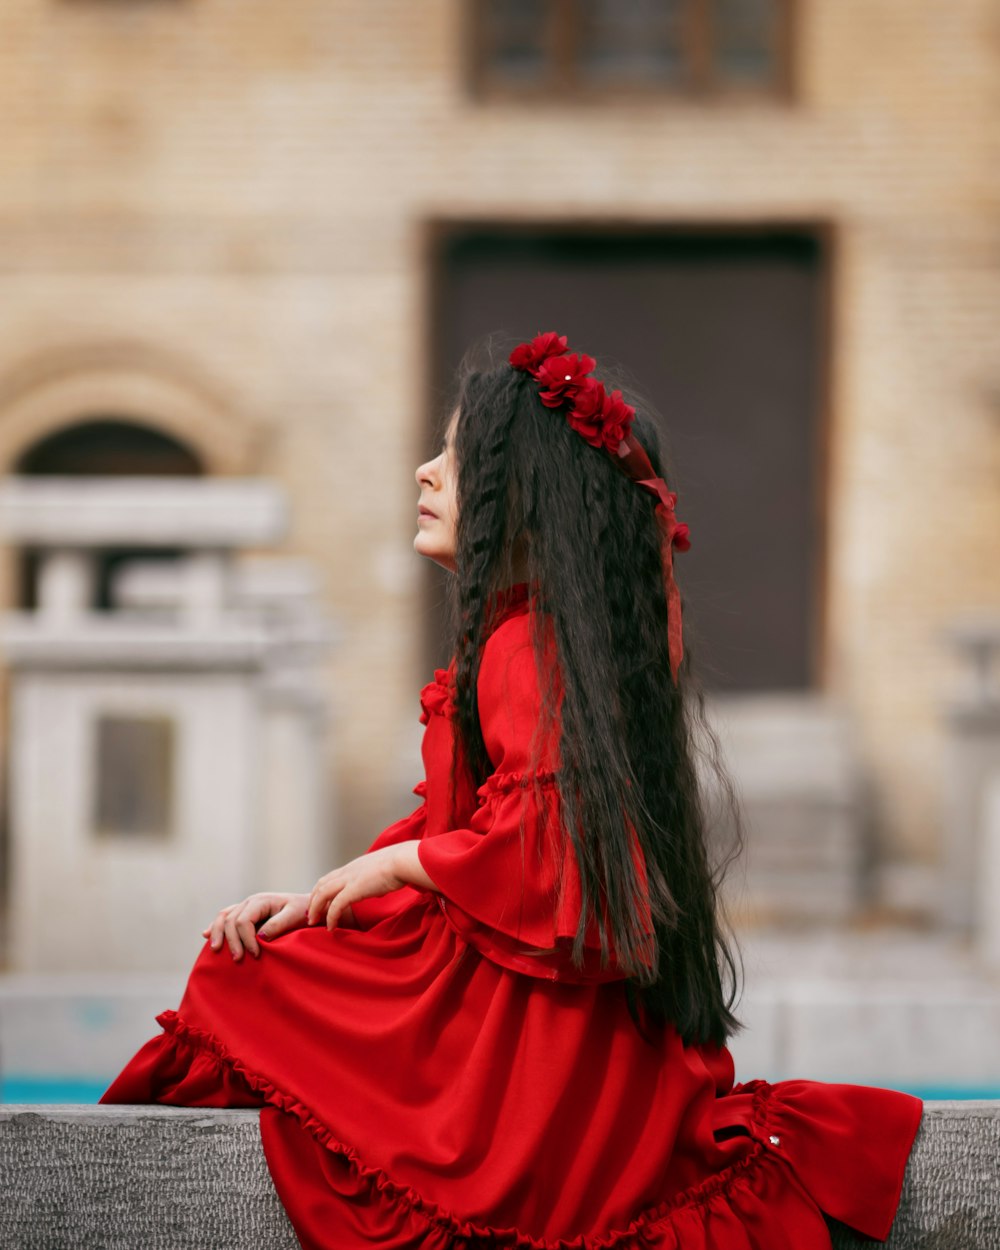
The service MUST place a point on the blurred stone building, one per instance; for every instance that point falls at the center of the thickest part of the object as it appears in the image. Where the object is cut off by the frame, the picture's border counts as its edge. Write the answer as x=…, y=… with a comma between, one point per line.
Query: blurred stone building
x=251, y=240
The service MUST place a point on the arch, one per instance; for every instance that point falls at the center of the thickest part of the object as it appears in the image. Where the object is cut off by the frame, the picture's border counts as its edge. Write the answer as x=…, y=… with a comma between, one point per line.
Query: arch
x=109, y=447
x=130, y=383
x=48, y=395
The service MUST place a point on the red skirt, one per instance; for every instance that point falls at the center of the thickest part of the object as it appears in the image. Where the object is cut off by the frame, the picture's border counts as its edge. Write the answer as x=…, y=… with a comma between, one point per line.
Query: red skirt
x=415, y=1094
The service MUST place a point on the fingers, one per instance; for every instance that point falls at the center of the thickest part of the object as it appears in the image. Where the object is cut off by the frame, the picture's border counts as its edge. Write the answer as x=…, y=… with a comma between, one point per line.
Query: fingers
x=216, y=930
x=259, y=916
x=265, y=916
x=246, y=925
x=247, y=917
x=339, y=905
x=335, y=901
x=322, y=892
x=237, y=925
x=287, y=917
x=233, y=935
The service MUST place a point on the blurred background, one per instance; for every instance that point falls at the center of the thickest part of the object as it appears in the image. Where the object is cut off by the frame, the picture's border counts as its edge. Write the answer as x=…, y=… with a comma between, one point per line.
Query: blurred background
x=243, y=246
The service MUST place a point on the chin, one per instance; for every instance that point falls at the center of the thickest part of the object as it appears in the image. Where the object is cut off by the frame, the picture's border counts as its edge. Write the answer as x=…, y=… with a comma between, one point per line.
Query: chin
x=446, y=559
x=431, y=550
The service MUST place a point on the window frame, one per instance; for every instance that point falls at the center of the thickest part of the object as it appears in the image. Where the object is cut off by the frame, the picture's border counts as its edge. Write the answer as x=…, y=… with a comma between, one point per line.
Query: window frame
x=565, y=85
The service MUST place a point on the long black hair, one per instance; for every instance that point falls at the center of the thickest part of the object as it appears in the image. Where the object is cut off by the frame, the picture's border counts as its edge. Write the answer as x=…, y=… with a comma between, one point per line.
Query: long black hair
x=629, y=735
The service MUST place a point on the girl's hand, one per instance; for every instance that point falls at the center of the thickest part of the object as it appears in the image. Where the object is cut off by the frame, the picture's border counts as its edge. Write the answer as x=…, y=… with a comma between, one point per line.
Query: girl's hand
x=282, y=913
x=370, y=875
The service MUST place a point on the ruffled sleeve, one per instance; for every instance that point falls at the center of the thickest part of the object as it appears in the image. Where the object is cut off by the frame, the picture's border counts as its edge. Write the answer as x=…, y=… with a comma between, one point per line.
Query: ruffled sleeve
x=501, y=903
x=846, y=1145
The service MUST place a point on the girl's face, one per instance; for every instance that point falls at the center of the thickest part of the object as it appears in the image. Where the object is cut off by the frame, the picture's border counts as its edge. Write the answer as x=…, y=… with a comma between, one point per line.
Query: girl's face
x=438, y=505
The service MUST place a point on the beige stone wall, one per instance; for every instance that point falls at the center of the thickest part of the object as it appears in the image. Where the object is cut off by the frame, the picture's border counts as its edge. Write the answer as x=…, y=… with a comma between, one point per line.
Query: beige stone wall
x=236, y=194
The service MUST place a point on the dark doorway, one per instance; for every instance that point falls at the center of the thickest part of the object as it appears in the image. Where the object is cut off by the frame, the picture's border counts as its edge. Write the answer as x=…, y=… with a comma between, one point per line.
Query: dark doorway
x=109, y=448
x=726, y=331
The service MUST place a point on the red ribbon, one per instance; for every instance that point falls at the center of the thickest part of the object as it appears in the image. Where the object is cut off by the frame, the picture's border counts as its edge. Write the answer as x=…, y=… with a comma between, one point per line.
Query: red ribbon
x=630, y=455
x=633, y=459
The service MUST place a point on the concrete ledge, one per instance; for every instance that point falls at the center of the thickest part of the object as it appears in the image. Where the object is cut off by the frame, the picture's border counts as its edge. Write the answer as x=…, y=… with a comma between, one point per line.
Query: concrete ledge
x=172, y=1177
x=136, y=1178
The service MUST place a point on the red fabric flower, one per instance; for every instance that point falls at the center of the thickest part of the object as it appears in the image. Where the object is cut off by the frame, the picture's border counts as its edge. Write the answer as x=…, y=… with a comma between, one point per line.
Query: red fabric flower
x=530, y=355
x=602, y=419
x=586, y=415
x=617, y=418
x=680, y=537
x=562, y=374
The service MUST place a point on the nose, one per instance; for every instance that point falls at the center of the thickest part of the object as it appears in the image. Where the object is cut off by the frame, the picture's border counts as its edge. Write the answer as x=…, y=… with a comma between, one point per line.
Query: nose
x=423, y=473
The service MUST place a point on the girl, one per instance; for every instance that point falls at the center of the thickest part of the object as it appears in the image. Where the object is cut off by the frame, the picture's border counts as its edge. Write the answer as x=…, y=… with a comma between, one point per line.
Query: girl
x=505, y=1024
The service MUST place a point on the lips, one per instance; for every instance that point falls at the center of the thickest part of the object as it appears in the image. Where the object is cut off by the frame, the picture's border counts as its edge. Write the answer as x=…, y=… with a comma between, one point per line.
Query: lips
x=422, y=511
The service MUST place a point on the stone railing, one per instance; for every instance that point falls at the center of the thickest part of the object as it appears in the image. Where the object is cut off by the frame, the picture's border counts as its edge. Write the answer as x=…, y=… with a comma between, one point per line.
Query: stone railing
x=162, y=1178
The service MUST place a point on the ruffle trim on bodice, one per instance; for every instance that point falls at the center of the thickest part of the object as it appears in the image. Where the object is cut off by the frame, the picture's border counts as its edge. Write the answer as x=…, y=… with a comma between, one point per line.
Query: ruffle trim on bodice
x=764, y=1201
x=436, y=697
x=505, y=783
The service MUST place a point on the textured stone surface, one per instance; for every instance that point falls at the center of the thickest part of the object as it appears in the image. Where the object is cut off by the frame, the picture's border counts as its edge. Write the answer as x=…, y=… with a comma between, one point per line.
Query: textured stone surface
x=951, y=1195
x=122, y=1177
x=99, y=1178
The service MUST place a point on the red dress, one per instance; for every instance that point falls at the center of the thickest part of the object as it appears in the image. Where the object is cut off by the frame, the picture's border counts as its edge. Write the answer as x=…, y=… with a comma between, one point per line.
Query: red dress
x=430, y=1079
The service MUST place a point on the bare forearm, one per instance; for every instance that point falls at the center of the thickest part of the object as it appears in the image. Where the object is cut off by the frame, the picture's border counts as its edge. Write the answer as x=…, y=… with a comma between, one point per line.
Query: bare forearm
x=409, y=868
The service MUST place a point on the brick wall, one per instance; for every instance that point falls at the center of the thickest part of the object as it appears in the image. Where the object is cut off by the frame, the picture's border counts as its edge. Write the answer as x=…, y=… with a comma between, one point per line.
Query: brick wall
x=239, y=190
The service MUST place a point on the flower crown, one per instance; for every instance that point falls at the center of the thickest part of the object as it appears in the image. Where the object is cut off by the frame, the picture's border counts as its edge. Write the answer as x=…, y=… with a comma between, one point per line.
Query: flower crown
x=606, y=421
x=602, y=419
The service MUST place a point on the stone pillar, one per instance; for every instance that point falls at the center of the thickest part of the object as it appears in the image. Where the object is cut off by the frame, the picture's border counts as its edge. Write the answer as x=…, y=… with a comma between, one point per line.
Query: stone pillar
x=972, y=759
x=207, y=575
x=65, y=584
x=988, y=879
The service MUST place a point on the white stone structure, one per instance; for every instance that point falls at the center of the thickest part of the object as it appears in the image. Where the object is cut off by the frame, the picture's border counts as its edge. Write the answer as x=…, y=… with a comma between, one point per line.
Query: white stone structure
x=971, y=767
x=989, y=876
x=804, y=796
x=165, y=755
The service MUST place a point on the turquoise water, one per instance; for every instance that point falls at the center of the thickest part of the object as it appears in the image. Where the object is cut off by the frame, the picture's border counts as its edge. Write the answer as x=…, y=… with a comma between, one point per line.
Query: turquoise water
x=52, y=1090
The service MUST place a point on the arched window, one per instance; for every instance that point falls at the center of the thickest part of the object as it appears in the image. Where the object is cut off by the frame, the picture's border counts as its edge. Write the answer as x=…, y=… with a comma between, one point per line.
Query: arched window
x=104, y=447
x=109, y=447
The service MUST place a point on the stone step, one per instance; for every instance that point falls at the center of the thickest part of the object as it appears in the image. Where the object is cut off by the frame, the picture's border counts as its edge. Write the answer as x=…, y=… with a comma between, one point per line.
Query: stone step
x=172, y=1178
